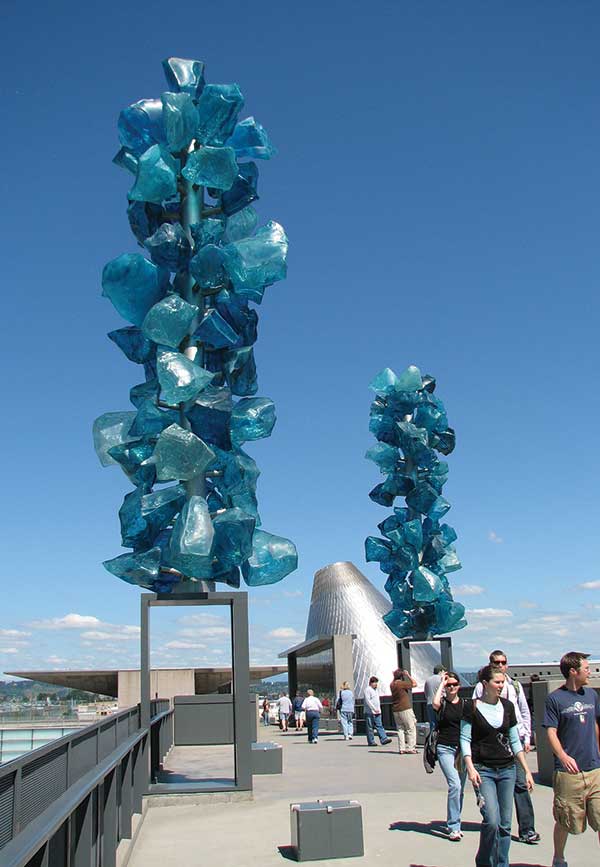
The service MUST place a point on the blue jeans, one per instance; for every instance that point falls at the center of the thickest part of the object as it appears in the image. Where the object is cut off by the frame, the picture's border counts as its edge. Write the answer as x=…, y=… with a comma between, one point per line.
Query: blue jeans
x=265, y=718
x=346, y=717
x=523, y=804
x=372, y=724
x=431, y=717
x=498, y=789
x=312, y=725
x=456, y=784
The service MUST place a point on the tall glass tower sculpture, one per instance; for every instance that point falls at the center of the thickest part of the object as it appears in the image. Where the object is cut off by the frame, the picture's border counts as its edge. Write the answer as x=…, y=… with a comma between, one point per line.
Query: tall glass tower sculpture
x=416, y=551
x=193, y=512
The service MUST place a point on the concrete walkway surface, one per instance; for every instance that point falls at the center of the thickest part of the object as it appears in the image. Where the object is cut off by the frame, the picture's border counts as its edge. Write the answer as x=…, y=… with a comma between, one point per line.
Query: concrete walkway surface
x=403, y=812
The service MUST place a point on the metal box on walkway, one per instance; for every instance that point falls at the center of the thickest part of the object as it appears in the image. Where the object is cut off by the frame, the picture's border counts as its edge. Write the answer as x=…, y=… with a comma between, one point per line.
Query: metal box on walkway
x=326, y=829
x=267, y=758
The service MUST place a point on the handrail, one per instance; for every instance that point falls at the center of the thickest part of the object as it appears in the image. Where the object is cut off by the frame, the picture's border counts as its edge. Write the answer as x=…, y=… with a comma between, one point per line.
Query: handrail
x=100, y=769
x=38, y=752
x=23, y=847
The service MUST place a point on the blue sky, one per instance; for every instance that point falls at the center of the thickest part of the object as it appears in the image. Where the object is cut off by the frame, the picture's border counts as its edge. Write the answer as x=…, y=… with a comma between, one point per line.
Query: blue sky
x=438, y=177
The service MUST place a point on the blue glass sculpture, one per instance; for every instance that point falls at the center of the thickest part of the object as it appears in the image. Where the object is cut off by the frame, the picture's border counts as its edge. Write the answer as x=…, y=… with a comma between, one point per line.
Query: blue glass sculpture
x=416, y=551
x=192, y=330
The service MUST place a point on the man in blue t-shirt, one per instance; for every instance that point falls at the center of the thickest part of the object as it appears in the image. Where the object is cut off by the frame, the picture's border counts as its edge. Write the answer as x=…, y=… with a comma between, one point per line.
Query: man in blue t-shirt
x=571, y=718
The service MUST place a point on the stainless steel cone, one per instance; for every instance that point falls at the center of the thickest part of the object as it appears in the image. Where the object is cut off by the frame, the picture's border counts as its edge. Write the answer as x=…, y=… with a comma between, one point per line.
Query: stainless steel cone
x=344, y=601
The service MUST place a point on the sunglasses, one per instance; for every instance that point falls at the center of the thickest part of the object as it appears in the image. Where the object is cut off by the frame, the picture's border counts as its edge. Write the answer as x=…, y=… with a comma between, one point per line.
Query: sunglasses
x=448, y=683
x=500, y=662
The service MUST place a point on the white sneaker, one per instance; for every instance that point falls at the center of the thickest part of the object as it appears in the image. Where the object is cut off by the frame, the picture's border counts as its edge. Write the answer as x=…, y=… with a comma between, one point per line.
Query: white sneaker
x=349, y=737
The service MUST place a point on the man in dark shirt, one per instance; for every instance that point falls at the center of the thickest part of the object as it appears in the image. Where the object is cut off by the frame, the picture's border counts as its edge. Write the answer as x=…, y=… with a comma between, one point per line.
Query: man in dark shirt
x=571, y=719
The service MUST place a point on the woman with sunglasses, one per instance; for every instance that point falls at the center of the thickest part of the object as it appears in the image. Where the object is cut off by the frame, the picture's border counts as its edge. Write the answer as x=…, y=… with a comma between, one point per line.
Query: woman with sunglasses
x=449, y=709
x=490, y=744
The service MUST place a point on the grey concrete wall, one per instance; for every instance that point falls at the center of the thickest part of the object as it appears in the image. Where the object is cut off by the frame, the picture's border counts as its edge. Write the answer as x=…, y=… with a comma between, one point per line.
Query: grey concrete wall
x=167, y=683
x=208, y=719
x=343, y=663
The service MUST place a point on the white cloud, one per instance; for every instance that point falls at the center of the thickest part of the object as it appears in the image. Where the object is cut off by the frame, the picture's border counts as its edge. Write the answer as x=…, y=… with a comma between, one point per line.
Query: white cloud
x=184, y=645
x=69, y=621
x=58, y=660
x=492, y=613
x=512, y=641
x=495, y=538
x=527, y=603
x=99, y=635
x=9, y=650
x=206, y=632
x=293, y=594
x=284, y=632
x=13, y=633
x=589, y=585
x=468, y=589
x=201, y=619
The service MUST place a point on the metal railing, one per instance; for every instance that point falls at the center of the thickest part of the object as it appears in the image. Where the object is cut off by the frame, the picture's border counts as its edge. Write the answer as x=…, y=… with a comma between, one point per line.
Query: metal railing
x=70, y=803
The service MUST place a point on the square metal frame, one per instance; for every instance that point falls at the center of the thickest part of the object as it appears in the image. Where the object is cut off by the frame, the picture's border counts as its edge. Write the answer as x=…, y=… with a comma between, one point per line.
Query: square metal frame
x=240, y=663
x=403, y=645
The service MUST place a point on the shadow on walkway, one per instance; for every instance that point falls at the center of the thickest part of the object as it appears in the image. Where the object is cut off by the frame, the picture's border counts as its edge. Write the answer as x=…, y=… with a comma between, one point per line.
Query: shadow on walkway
x=434, y=829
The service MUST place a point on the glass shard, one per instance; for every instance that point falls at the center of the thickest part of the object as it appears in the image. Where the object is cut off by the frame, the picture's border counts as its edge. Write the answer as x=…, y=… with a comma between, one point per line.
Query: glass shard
x=180, y=379
x=169, y=321
x=273, y=557
x=133, y=285
x=211, y=167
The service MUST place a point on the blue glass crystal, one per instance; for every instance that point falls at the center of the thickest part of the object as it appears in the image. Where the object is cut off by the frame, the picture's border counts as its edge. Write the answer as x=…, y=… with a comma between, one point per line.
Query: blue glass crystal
x=410, y=379
x=450, y=562
x=140, y=125
x=236, y=312
x=422, y=498
x=426, y=585
x=130, y=457
x=126, y=160
x=135, y=531
x=438, y=509
x=133, y=344
x=156, y=178
x=184, y=75
x=144, y=391
x=381, y=495
x=158, y=508
x=450, y=615
x=211, y=167
x=273, y=557
x=240, y=371
x=111, y=429
x=180, y=379
x=133, y=285
x=233, y=537
x=210, y=230
x=243, y=192
x=250, y=139
x=218, y=108
x=385, y=456
x=215, y=331
x=241, y=225
x=208, y=267
x=406, y=414
x=144, y=219
x=446, y=442
x=180, y=454
x=169, y=321
x=180, y=120
x=253, y=418
x=260, y=260
x=385, y=382
x=140, y=569
x=192, y=539
x=169, y=247
x=377, y=550
x=150, y=420
x=210, y=416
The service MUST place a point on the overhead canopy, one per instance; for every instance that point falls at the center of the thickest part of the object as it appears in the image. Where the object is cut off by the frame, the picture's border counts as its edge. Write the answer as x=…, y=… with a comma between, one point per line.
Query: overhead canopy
x=206, y=680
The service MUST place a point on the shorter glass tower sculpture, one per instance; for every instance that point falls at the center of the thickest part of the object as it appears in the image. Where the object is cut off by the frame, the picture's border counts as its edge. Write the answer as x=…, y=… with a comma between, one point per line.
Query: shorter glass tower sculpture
x=193, y=512
x=416, y=551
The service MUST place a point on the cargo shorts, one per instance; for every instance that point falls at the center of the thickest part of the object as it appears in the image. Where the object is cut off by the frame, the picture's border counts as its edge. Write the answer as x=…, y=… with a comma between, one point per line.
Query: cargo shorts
x=577, y=800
